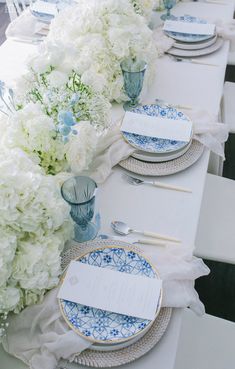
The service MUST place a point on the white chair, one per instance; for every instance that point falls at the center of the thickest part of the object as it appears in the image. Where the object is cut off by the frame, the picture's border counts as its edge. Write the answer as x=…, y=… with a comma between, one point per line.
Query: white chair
x=228, y=117
x=205, y=342
x=228, y=106
x=215, y=238
x=15, y=7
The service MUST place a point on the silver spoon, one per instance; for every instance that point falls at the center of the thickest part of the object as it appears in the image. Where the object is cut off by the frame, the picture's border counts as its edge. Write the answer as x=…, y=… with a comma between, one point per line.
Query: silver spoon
x=123, y=229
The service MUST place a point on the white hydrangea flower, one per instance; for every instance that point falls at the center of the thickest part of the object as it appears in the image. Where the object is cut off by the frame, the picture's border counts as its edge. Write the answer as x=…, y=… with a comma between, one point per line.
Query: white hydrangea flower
x=101, y=34
x=80, y=150
x=34, y=225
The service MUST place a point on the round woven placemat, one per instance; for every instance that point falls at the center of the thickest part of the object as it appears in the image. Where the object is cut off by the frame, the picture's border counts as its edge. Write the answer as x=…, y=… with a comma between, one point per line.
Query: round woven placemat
x=101, y=359
x=165, y=168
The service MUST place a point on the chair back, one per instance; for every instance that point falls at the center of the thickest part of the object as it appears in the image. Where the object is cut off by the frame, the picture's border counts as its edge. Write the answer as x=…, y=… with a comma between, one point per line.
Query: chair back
x=15, y=7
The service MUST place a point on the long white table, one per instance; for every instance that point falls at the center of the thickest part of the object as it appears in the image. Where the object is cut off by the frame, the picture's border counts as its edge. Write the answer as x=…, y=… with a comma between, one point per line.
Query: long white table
x=144, y=207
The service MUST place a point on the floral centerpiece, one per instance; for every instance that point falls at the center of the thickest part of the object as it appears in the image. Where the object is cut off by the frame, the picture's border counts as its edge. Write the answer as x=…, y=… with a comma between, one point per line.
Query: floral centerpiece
x=144, y=7
x=60, y=111
x=34, y=225
x=98, y=35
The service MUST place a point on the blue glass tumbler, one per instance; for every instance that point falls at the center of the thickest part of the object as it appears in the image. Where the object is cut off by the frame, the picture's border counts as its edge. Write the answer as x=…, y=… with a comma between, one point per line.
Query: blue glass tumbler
x=80, y=192
x=133, y=74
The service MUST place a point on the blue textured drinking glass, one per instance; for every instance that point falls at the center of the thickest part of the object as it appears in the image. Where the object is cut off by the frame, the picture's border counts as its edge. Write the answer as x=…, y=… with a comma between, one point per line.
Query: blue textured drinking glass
x=80, y=192
x=168, y=6
x=133, y=74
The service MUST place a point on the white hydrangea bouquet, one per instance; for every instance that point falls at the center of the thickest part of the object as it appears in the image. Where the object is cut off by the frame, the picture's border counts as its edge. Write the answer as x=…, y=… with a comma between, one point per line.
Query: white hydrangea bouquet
x=34, y=225
x=98, y=35
x=62, y=109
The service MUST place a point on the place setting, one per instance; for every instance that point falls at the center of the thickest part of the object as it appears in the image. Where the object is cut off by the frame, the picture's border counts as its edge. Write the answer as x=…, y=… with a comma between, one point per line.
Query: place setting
x=193, y=37
x=165, y=140
x=161, y=135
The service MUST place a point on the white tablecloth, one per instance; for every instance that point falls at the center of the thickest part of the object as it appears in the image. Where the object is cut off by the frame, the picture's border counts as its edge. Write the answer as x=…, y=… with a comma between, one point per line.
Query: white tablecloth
x=146, y=207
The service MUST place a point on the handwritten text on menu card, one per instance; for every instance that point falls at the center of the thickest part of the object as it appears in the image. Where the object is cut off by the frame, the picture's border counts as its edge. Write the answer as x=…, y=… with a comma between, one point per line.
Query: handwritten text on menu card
x=189, y=28
x=179, y=130
x=111, y=290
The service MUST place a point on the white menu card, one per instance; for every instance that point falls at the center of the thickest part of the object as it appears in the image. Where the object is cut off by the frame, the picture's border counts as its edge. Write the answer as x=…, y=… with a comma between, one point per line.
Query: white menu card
x=179, y=130
x=111, y=290
x=190, y=28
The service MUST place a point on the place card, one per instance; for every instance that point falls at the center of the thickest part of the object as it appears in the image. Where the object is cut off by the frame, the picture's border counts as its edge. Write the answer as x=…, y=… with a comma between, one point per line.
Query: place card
x=111, y=290
x=44, y=7
x=189, y=28
x=145, y=125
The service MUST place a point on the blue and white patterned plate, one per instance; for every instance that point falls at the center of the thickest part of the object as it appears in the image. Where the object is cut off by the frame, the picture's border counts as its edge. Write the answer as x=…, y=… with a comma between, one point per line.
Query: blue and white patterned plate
x=102, y=326
x=186, y=37
x=153, y=144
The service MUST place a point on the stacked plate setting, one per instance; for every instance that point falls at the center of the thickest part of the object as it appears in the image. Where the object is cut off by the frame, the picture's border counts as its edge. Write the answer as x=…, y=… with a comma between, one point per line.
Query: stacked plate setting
x=153, y=149
x=193, y=45
x=108, y=331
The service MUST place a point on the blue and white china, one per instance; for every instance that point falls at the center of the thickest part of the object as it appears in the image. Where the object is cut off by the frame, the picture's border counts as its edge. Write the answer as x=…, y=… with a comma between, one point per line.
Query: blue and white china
x=159, y=158
x=104, y=326
x=154, y=144
x=186, y=37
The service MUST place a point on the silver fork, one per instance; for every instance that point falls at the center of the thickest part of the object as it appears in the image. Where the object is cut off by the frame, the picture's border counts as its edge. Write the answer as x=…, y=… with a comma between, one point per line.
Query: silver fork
x=136, y=181
x=190, y=60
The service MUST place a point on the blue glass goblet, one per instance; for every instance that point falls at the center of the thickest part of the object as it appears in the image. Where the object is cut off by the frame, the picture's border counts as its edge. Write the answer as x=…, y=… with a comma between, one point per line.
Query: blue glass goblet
x=133, y=73
x=79, y=192
x=168, y=6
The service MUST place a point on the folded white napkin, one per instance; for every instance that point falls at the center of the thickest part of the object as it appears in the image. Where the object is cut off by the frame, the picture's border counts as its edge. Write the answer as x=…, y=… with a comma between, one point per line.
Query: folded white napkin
x=40, y=337
x=113, y=148
x=26, y=26
x=162, y=42
x=227, y=31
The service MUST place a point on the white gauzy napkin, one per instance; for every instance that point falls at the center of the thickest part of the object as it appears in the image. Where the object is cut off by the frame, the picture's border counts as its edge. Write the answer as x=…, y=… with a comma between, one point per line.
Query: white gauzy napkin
x=40, y=337
x=162, y=42
x=113, y=148
x=227, y=31
x=26, y=26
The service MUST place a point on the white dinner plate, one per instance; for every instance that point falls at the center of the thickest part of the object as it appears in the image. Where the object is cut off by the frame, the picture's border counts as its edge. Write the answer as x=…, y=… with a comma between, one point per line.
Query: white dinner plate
x=193, y=53
x=158, y=158
x=195, y=45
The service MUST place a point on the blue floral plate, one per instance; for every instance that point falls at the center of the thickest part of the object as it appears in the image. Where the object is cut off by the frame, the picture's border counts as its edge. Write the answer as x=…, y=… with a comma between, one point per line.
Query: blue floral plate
x=153, y=144
x=102, y=326
x=186, y=37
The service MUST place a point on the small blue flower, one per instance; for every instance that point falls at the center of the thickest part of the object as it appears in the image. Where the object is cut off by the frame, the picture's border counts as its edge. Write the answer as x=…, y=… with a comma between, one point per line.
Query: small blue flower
x=86, y=332
x=75, y=98
x=66, y=118
x=78, y=114
x=64, y=130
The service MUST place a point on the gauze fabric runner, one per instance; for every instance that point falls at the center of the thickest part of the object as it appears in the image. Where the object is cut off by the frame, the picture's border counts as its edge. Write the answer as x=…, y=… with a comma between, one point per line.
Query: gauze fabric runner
x=113, y=148
x=26, y=26
x=227, y=31
x=40, y=337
